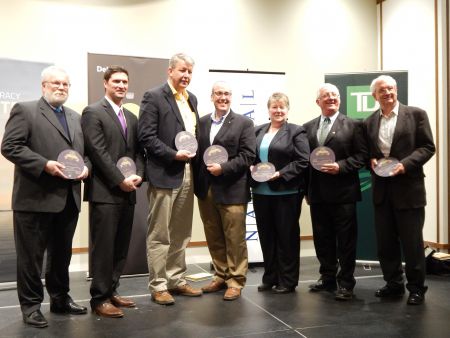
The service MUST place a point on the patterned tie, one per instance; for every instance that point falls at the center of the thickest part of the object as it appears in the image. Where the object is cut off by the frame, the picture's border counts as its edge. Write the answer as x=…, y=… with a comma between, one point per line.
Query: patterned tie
x=324, y=130
x=123, y=123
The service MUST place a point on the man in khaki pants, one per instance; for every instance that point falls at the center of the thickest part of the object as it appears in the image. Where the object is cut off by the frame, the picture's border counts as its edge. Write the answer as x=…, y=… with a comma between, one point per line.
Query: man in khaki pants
x=223, y=191
x=166, y=111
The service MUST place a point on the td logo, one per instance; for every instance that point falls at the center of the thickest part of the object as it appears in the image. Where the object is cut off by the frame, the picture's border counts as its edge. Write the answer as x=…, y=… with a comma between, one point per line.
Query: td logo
x=360, y=102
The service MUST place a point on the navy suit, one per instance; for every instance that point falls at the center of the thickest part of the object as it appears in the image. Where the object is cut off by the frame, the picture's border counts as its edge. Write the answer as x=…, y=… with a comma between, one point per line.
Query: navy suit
x=170, y=190
x=399, y=201
x=159, y=122
x=45, y=207
x=333, y=198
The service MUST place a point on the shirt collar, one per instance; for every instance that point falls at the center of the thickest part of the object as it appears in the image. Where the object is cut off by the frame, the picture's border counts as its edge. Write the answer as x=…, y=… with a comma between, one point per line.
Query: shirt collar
x=332, y=117
x=114, y=106
x=219, y=121
x=395, y=110
x=54, y=108
x=177, y=94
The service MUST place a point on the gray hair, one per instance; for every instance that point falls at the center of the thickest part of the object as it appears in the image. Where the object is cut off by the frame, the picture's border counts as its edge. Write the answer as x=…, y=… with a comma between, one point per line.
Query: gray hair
x=382, y=78
x=328, y=86
x=50, y=70
x=180, y=56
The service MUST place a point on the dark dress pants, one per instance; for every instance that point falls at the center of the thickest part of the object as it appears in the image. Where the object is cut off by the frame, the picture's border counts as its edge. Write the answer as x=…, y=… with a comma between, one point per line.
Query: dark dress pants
x=35, y=232
x=397, y=231
x=335, y=235
x=277, y=219
x=110, y=228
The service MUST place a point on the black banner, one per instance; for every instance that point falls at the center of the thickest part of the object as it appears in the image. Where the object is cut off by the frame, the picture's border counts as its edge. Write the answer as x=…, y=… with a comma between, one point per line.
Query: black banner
x=144, y=73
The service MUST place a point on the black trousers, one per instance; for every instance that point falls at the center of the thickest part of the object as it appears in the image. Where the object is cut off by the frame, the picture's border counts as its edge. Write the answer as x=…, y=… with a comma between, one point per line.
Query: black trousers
x=398, y=229
x=35, y=232
x=110, y=228
x=277, y=219
x=335, y=233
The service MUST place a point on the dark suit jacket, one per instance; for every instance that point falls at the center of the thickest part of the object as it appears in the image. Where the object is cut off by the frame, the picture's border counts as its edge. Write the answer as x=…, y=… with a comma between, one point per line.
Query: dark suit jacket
x=159, y=122
x=413, y=145
x=237, y=136
x=346, y=139
x=288, y=152
x=105, y=144
x=33, y=136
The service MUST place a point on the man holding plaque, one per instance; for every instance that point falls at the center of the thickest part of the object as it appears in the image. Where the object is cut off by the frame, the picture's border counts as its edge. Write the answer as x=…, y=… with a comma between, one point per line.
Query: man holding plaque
x=333, y=190
x=403, y=134
x=45, y=202
x=110, y=136
x=165, y=112
x=223, y=191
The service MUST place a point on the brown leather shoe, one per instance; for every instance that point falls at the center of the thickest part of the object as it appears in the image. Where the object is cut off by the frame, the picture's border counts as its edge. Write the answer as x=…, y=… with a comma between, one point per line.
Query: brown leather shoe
x=214, y=286
x=162, y=297
x=232, y=293
x=122, y=301
x=186, y=290
x=108, y=310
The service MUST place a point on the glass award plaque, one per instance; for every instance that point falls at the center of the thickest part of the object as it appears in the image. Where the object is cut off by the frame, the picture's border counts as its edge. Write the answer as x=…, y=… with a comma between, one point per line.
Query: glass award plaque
x=184, y=140
x=126, y=166
x=215, y=154
x=73, y=163
x=320, y=156
x=385, y=166
x=263, y=171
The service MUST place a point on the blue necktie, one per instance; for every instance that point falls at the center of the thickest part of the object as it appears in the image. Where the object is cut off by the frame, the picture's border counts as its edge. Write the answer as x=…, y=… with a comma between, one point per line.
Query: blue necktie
x=62, y=119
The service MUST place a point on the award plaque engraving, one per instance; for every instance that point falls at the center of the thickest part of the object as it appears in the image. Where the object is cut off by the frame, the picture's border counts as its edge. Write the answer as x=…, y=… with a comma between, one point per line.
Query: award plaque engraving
x=215, y=154
x=263, y=171
x=385, y=166
x=321, y=156
x=126, y=166
x=184, y=140
x=73, y=162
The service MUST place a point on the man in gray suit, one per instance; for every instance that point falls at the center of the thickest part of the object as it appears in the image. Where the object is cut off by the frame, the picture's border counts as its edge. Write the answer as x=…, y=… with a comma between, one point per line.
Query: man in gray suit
x=223, y=191
x=45, y=202
x=166, y=111
x=404, y=133
x=110, y=133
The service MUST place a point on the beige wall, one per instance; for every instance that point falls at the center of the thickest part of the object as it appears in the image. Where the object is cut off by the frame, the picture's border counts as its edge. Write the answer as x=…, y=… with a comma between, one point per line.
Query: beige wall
x=409, y=41
x=304, y=38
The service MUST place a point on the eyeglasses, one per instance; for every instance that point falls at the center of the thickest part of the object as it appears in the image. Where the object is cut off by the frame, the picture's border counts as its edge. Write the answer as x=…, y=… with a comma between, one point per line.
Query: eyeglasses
x=219, y=94
x=57, y=84
x=330, y=95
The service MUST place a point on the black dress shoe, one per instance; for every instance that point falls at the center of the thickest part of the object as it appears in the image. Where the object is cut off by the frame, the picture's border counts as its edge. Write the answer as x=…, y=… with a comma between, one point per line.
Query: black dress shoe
x=35, y=319
x=321, y=285
x=416, y=298
x=282, y=289
x=389, y=291
x=68, y=306
x=264, y=287
x=343, y=294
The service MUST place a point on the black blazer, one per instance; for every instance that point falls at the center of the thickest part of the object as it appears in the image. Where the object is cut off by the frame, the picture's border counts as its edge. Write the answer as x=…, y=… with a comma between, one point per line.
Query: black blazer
x=159, y=122
x=237, y=136
x=33, y=136
x=288, y=152
x=105, y=144
x=346, y=139
x=413, y=145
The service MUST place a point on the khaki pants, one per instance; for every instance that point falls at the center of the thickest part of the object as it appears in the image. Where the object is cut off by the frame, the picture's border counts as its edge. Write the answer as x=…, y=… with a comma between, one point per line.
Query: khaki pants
x=224, y=226
x=169, y=232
